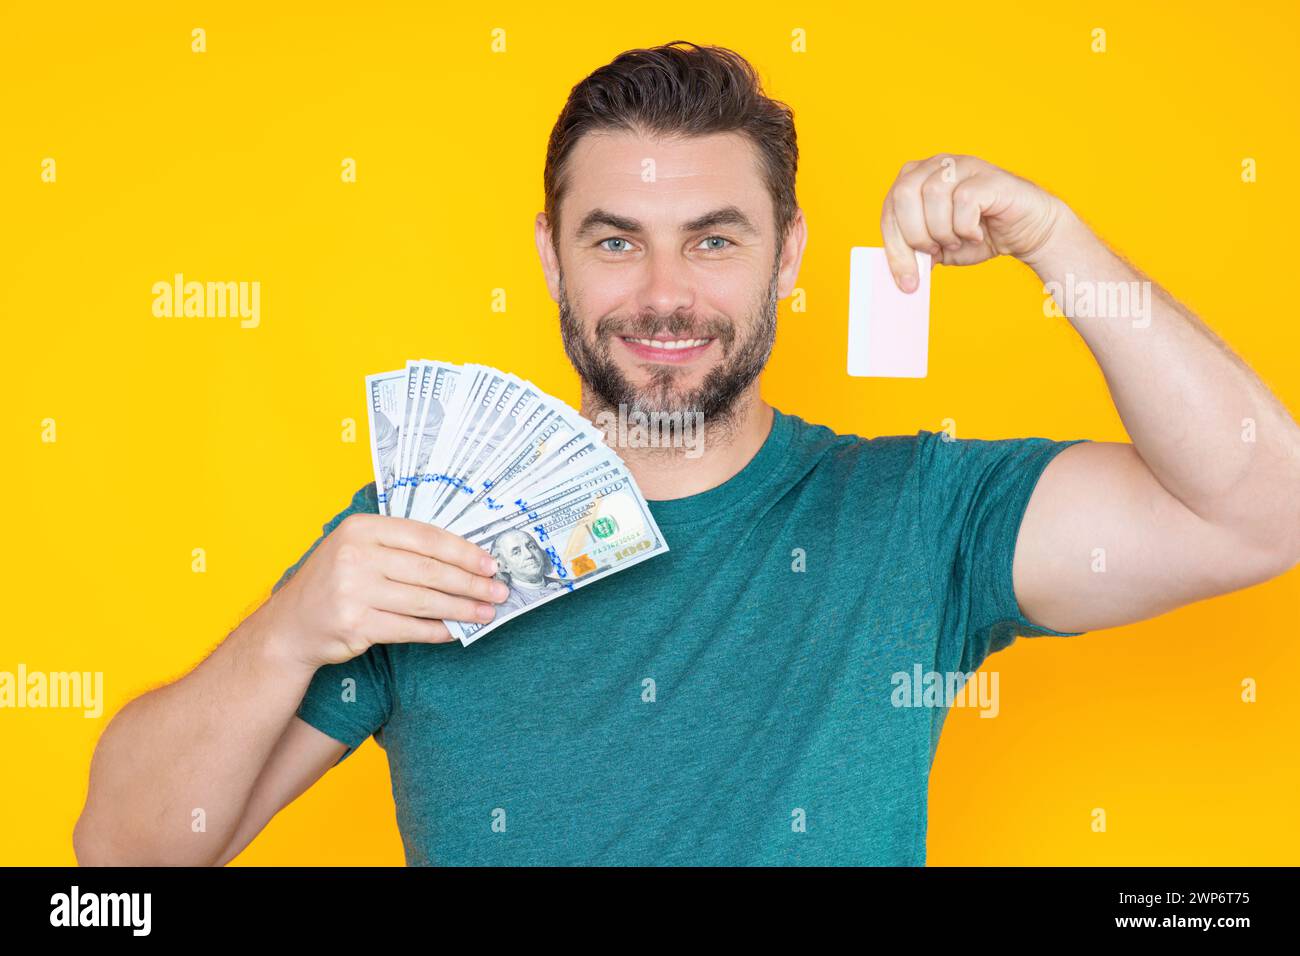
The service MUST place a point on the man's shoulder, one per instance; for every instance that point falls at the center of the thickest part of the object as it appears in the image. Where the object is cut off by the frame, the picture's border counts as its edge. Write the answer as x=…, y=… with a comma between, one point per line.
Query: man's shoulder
x=817, y=440
x=922, y=458
x=837, y=465
x=920, y=447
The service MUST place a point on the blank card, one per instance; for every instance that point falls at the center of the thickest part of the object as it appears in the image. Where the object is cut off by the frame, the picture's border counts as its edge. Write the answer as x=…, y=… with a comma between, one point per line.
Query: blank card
x=889, y=329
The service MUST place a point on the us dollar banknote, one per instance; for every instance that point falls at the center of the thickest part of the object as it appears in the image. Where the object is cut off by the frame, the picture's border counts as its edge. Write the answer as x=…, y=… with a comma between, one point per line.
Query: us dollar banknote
x=491, y=457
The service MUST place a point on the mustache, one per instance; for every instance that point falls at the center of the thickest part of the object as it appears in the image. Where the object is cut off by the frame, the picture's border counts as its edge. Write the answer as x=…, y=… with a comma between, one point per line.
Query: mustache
x=678, y=326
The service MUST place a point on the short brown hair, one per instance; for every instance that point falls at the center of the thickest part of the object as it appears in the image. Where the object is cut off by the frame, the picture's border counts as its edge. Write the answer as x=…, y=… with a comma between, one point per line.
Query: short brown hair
x=678, y=88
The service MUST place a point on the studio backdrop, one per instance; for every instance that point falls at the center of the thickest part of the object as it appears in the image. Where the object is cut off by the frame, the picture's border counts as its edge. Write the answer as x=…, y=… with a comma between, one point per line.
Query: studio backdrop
x=368, y=176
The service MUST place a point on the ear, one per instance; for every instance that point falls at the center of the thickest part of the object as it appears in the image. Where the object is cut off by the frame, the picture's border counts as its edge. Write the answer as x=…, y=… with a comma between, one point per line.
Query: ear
x=546, y=252
x=796, y=237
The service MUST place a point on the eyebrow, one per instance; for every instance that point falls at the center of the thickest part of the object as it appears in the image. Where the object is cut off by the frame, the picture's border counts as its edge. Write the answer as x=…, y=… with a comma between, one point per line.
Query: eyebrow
x=723, y=216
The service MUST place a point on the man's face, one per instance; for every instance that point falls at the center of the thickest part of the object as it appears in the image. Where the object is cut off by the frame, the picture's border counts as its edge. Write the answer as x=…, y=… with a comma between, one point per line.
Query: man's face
x=670, y=242
x=520, y=555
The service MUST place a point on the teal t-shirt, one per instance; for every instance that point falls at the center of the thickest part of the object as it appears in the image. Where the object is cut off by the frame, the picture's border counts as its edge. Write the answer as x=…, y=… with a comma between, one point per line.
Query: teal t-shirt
x=733, y=701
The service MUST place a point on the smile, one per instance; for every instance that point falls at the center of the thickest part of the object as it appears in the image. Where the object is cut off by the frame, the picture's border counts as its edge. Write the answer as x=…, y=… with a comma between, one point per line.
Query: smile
x=666, y=351
x=669, y=343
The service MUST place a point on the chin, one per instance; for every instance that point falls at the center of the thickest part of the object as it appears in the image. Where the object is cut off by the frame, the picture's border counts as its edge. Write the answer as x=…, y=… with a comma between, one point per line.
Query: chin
x=648, y=377
x=672, y=400
x=682, y=387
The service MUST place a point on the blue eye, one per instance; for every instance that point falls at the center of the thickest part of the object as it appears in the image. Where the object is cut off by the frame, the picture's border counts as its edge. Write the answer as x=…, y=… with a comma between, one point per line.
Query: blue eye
x=612, y=239
x=719, y=239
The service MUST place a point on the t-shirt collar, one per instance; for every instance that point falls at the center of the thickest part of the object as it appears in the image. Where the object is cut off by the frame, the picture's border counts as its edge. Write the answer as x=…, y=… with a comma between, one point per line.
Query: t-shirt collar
x=740, y=486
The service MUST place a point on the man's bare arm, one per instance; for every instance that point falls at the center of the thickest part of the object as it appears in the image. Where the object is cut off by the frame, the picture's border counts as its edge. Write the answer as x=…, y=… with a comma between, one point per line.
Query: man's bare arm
x=300, y=758
x=224, y=740
x=190, y=751
x=1104, y=544
x=1204, y=501
x=1206, y=498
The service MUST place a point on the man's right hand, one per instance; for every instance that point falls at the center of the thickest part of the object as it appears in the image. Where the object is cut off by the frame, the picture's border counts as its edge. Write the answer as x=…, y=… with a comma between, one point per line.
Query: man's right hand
x=378, y=579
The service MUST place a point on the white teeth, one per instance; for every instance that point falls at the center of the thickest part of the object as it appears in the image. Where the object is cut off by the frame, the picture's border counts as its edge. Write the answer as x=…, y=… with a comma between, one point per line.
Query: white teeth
x=674, y=344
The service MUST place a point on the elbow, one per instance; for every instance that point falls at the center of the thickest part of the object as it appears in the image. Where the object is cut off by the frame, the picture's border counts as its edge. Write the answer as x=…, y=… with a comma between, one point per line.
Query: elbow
x=1277, y=556
x=1286, y=559
x=87, y=845
x=93, y=843
x=1265, y=540
x=92, y=847
x=1285, y=552
x=1287, y=545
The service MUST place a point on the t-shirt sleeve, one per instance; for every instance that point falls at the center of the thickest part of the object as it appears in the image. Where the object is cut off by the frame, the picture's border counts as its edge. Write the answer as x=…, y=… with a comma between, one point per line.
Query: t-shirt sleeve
x=351, y=700
x=973, y=496
x=364, y=501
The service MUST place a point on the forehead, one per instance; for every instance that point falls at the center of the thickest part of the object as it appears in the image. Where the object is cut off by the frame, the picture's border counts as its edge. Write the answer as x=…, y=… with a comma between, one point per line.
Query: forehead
x=664, y=180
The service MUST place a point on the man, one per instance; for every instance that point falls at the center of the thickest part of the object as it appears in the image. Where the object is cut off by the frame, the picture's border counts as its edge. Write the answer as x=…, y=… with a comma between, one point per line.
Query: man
x=523, y=566
x=732, y=701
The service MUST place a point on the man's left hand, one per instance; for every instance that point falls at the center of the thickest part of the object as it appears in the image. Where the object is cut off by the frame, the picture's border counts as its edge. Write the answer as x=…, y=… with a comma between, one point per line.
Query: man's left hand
x=963, y=210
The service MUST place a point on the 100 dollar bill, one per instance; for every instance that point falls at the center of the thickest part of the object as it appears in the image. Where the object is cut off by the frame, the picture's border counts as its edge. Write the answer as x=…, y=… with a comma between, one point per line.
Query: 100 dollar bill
x=566, y=540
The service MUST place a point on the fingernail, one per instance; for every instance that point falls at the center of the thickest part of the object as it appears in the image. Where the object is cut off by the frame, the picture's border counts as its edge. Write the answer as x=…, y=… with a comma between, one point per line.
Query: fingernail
x=488, y=564
x=500, y=591
x=909, y=282
x=486, y=612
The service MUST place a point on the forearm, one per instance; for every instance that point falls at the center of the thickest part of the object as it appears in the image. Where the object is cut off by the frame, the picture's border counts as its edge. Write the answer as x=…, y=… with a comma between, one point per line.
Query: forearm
x=1209, y=430
x=174, y=769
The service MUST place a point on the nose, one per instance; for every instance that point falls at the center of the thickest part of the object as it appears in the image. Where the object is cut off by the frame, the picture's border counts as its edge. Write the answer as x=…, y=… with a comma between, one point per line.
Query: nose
x=667, y=285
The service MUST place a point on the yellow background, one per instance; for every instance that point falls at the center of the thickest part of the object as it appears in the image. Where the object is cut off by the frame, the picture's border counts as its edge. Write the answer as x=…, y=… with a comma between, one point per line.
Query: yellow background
x=225, y=165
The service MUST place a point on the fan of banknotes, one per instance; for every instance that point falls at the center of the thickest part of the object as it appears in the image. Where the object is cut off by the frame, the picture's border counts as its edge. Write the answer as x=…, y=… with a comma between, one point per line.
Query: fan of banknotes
x=491, y=457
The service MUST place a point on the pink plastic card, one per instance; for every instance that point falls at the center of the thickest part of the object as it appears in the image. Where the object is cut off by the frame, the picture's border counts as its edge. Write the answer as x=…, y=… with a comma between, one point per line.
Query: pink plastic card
x=889, y=329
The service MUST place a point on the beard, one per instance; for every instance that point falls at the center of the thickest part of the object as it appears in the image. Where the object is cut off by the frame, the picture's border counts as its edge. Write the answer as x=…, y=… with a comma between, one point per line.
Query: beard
x=714, y=400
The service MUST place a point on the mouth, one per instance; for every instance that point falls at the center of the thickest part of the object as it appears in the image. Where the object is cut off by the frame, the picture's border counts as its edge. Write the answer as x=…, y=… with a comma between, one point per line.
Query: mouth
x=668, y=351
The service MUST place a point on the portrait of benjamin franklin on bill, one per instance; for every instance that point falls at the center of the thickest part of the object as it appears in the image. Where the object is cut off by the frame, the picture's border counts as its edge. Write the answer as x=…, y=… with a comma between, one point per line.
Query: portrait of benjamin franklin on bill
x=522, y=565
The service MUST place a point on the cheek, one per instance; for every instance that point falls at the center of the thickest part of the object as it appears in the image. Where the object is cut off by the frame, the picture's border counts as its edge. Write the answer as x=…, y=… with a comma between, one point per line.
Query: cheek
x=726, y=292
x=595, y=289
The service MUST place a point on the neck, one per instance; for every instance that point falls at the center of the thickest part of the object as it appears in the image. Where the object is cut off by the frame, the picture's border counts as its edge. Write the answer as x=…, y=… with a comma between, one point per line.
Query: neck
x=686, y=468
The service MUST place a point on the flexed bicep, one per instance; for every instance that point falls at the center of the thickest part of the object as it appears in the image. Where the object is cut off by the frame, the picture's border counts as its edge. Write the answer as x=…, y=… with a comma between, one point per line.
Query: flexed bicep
x=1103, y=543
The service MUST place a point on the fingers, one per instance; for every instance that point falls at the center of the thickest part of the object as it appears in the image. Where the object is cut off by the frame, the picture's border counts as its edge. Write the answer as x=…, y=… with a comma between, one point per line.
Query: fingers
x=920, y=214
x=903, y=227
x=414, y=601
x=909, y=209
x=434, y=542
x=384, y=627
x=407, y=567
x=970, y=199
x=936, y=196
x=899, y=255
